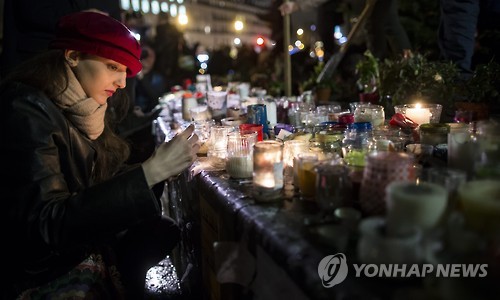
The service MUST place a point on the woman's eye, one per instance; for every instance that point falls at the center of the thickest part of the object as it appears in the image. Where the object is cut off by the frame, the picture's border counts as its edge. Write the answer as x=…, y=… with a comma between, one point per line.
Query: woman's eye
x=113, y=67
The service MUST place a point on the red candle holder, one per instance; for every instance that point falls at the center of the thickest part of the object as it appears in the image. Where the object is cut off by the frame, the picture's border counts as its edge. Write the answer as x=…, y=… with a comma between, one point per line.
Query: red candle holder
x=259, y=128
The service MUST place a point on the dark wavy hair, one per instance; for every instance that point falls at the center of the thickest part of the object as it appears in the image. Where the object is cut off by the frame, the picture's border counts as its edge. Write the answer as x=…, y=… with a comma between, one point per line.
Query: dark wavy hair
x=48, y=73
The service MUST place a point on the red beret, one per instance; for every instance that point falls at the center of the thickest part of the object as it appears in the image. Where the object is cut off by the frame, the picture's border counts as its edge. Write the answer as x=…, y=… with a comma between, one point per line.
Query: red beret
x=100, y=35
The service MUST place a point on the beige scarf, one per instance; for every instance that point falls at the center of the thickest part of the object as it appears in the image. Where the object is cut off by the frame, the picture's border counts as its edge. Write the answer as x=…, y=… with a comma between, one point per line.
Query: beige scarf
x=84, y=112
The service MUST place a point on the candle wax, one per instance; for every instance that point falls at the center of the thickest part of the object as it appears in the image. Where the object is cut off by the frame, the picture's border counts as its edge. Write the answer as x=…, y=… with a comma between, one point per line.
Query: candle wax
x=419, y=115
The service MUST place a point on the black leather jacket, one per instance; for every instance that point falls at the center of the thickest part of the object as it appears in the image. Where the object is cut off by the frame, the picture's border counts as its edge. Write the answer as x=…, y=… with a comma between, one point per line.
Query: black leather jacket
x=51, y=212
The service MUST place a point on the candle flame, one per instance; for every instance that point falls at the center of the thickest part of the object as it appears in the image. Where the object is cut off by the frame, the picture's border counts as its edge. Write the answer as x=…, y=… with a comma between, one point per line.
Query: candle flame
x=418, y=105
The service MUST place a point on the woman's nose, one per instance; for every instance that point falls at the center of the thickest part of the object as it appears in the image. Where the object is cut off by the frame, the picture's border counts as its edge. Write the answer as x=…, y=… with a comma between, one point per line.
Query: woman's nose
x=121, y=80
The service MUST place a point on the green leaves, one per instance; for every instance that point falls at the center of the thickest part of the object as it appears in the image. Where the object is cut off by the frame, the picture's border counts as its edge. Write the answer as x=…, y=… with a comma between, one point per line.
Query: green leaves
x=405, y=79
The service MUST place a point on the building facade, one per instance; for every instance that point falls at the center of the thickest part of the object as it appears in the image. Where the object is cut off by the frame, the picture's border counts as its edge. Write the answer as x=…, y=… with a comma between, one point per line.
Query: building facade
x=210, y=23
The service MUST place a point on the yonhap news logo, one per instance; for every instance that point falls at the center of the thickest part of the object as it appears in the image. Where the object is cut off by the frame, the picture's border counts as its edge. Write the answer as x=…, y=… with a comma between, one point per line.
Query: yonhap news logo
x=333, y=270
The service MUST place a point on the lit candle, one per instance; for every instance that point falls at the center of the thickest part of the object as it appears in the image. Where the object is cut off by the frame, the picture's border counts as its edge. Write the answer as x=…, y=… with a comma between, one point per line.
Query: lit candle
x=220, y=145
x=217, y=148
x=418, y=114
x=265, y=180
x=267, y=170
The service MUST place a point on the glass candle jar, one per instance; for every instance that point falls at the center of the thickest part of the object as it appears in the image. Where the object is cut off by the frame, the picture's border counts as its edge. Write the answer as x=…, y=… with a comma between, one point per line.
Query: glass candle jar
x=217, y=145
x=370, y=113
x=239, y=163
x=345, y=118
x=461, y=148
x=218, y=140
x=329, y=108
x=296, y=164
x=267, y=170
x=258, y=128
x=295, y=111
x=257, y=114
x=200, y=113
x=291, y=149
x=217, y=103
x=356, y=142
x=328, y=139
x=333, y=186
x=487, y=145
x=202, y=129
x=434, y=133
x=420, y=113
x=388, y=138
x=306, y=175
x=233, y=122
x=448, y=178
x=381, y=169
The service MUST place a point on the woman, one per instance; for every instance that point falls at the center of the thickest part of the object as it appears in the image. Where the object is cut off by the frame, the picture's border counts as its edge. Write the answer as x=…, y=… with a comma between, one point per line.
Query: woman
x=75, y=221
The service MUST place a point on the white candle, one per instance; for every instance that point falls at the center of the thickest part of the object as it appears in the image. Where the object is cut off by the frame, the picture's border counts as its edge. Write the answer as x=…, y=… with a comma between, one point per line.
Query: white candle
x=267, y=170
x=418, y=114
x=266, y=180
x=240, y=166
x=410, y=204
x=187, y=104
x=220, y=145
x=271, y=112
x=233, y=100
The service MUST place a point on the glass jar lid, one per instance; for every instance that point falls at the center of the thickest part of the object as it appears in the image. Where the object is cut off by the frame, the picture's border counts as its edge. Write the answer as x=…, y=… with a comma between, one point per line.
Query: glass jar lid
x=435, y=128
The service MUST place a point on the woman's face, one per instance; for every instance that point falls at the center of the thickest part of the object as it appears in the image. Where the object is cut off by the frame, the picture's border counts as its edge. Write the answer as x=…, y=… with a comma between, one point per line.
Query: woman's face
x=99, y=77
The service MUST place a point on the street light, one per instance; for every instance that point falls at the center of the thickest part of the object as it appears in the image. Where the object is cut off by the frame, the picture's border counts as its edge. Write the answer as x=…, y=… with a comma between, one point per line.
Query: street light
x=238, y=25
x=260, y=41
x=183, y=19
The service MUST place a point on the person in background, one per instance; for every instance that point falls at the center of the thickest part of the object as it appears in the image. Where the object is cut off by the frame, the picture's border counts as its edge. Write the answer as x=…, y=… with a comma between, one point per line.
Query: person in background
x=136, y=127
x=460, y=27
x=385, y=35
x=457, y=33
x=77, y=222
x=151, y=84
x=168, y=43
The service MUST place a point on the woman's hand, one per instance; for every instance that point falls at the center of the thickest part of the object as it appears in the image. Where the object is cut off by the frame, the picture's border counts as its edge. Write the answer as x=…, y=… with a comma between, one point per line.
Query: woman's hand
x=171, y=158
